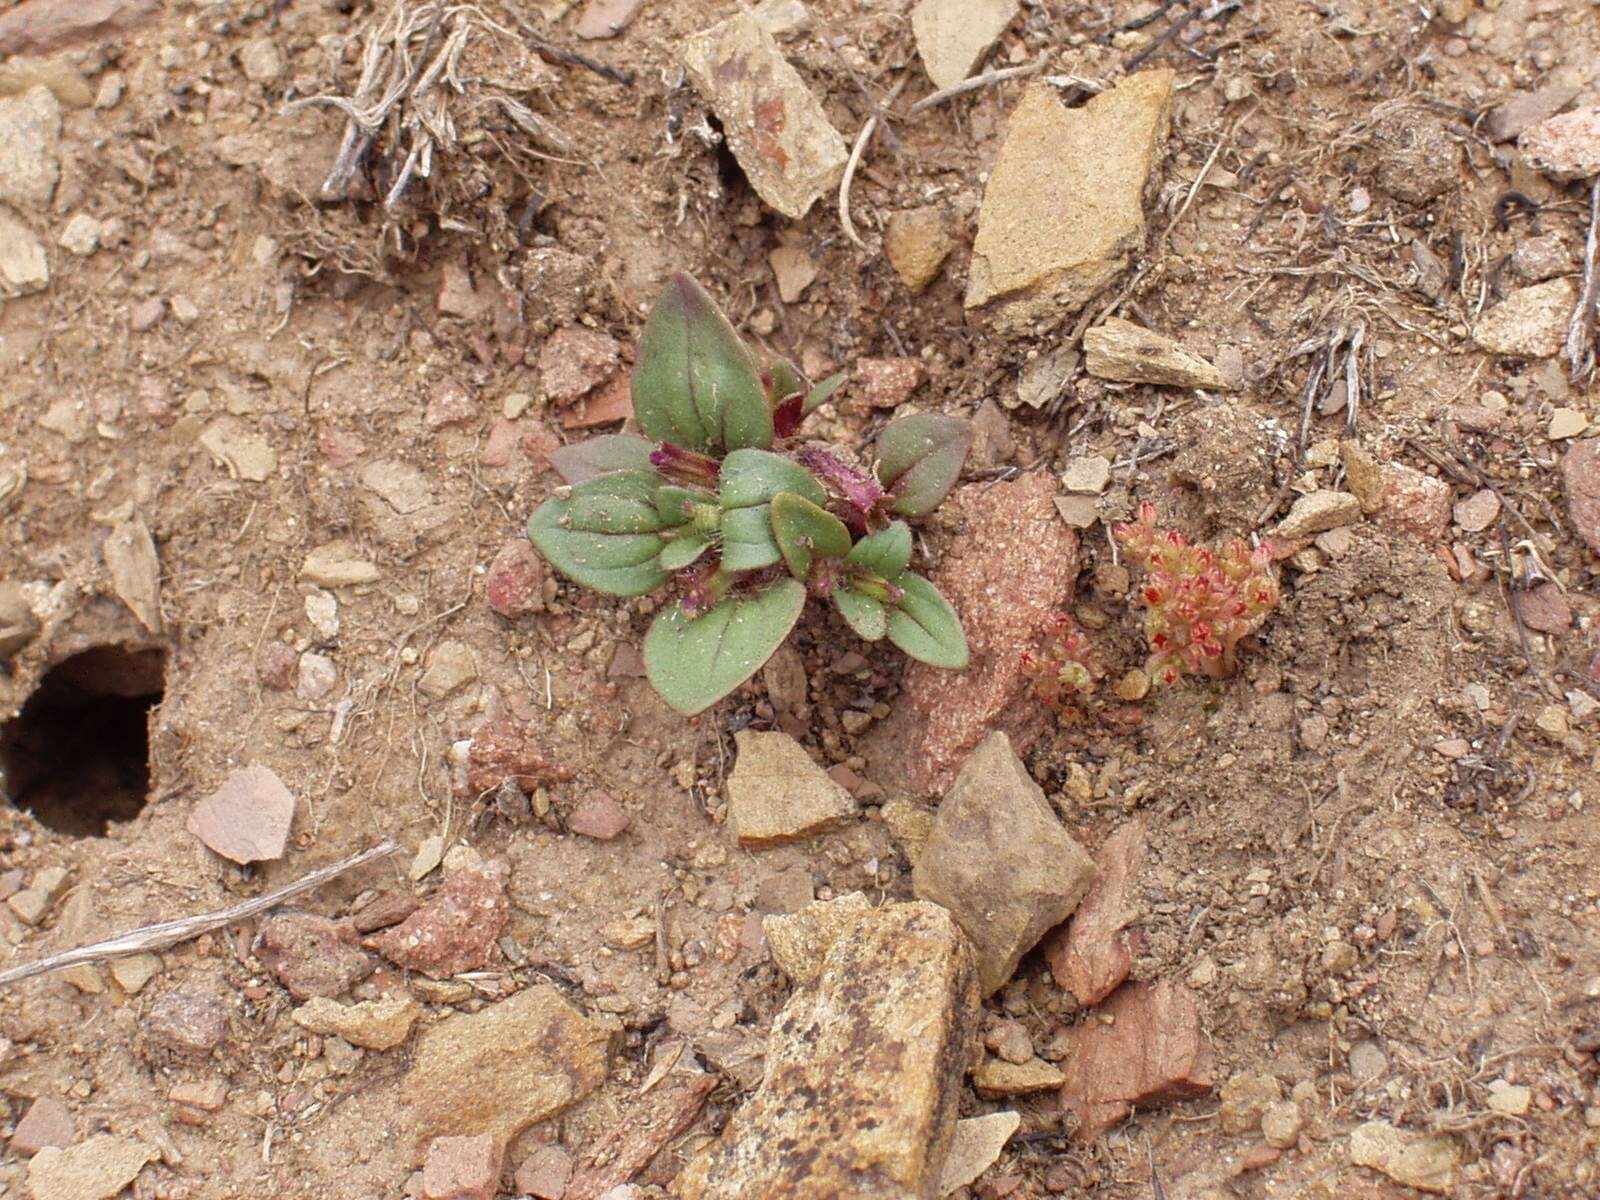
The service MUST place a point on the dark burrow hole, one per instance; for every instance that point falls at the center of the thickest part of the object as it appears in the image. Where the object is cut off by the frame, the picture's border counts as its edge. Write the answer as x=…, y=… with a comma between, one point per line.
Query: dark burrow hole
x=78, y=754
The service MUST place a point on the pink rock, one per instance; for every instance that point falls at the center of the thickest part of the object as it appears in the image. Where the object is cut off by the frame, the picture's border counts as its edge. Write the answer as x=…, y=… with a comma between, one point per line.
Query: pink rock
x=1414, y=503
x=500, y=445
x=39, y=28
x=47, y=1123
x=278, y=662
x=311, y=955
x=247, y=819
x=1452, y=748
x=538, y=444
x=388, y=909
x=606, y=18
x=1566, y=147
x=1151, y=1052
x=514, y=586
x=598, y=816
x=1544, y=608
x=1092, y=954
x=544, y=1173
x=1580, y=476
x=1008, y=571
x=888, y=382
x=504, y=749
x=340, y=447
x=461, y=1168
x=146, y=314
x=188, y=1022
x=457, y=296
x=456, y=929
x=1478, y=511
x=449, y=404
x=610, y=404
x=575, y=359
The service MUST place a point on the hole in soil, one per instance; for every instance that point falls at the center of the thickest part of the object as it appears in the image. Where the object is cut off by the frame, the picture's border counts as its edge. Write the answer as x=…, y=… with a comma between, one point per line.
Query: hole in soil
x=78, y=754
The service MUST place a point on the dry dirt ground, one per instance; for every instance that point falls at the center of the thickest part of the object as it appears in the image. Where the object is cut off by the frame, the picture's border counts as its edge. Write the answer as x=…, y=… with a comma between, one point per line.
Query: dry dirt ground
x=1391, y=929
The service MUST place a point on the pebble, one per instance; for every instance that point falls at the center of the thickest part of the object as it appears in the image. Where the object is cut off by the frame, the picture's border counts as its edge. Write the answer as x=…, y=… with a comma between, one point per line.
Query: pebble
x=48, y=1122
x=371, y=1024
x=1414, y=503
x=1318, y=512
x=315, y=677
x=133, y=972
x=1565, y=147
x=1566, y=423
x=207, y=1095
x=888, y=382
x=337, y=564
x=544, y=1173
x=995, y=1078
x=1544, y=608
x=461, y=1168
x=1580, y=479
x=800, y=940
x=1512, y=1099
x=262, y=60
x=975, y=1146
x=81, y=235
x=793, y=269
x=311, y=956
x=1129, y=353
x=514, y=585
x=449, y=403
x=96, y=1169
x=30, y=133
x=1087, y=476
x=1281, y=1123
x=598, y=816
x=450, y=666
x=456, y=929
x=247, y=819
x=188, y=1022
x=953, y=35
x=1245, y=1097
x=575, y=359
x=24, y=266
x=1426, y=1162
x=917, y=241
x=146, y=314
x=1531, y=322
x=606, y=18
x=1478, y=511
x=240, y=450
x=1091, y=955
x=776, y=793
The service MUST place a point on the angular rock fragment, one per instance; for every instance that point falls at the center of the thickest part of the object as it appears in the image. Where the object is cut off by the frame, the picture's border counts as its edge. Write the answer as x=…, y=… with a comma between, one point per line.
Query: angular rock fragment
x=48, y=1122
x=459, y=1081
x=135, y=571
x=462, y=1168
x=30, y=128
x=1000, y=861
x=311, y=956
x=1151, y=1051
x=1091, y=955
x=514, y=586
x=653, y=1120
x=1566, y=147
x=1529, y=323
x=777, y=794
x=24, y=267
x=338, y=564
x=974, y=1148
x=775, y=126
x=1318, y=512
x=1508, y=119
x=917, y=241
x=1120, y=350
x=995, y=1078
x=188, y=1022
x=863, y=1072
x=800, y=941
x=1008, y=573
x=1424, y=1161
x=247, y=819
x=372, y=1024
x=573, y=360
x=456, y=929
x=1063, y=211
x=96, y=1169
x=1580, y=479
x=953, y=35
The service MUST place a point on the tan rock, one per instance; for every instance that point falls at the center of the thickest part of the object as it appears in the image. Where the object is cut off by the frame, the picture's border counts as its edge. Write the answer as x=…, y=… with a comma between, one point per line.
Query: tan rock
x=1000, y=861
x=133, y=972
x=247, y=819
x=1423, y=1161
x=863, y=1072
x=974, y=1148
x=459, y=1082
x=338, y=564
x=777, y=794
x=1318, y=512
x=1063, y=211
x=96, y=1169
x=1120, y=350
x=1245, y=1097
x=372, y=1024
x=1363, y=474
x=775, y=126
x=1529, y=323
x=135, y=571
x=1281, y=1123
x=800, y=941
x=242, y=451
x=1565, y=147
x=24, y=266
x=995, y=1078
x=1091, y=954
x=30, y=128
x=917, y=241
x=953, y=35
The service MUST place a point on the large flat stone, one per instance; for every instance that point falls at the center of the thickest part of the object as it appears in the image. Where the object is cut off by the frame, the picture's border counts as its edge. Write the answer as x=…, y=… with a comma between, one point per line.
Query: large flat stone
x=777, y=794
x=1063, y=212
x=775, y=126
x=1529, y=323
x=952, y=35
x=500, y=1070
x=1424, y=1161
x=1000, y=861
x=863, y=1072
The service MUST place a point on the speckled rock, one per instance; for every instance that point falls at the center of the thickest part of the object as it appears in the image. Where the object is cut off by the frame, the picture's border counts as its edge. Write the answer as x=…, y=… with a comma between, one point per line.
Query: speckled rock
x=456, y=929
x=777, y=794
x=1529, y=323
x=1565, y=147
x=312, y=955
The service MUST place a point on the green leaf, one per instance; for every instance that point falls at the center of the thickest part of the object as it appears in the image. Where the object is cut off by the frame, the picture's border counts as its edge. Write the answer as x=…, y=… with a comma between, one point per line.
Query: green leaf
x=694, y=662
x=802, y=528
x=925, y=626
x=619, y=564
x=683, y=550
x=696, y=385
x=785, y=381
x=672, y=503
x=598, y=455
x=747, y=541
x=621, y=502
x=756, y=476
x=885, y=553
x=819, y=395
x=919, y=460
x=865, y=614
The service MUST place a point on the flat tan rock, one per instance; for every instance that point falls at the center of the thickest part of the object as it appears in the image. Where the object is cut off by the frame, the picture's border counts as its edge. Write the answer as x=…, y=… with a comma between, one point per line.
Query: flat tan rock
x=996, y=1078
x=1063, y=212
x=977, y=1143
x=800, y=941
x=777, y=794
x=247, y=819
x=371, y=1024
x=135, y=571
x=1424, y=1161
x=1529, y=323
x=499, y=1070
x=96, y=1169
x=916, y=242
x=953, y=35
x=24, y=267
x=863, y=1073
x=1565, y=147
x=775, y=126
x=1120, y=350
x=1000, y=861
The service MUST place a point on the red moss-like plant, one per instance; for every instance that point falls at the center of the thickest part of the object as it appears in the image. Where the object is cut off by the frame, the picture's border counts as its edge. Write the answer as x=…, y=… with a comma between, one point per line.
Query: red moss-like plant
x=1064, y=674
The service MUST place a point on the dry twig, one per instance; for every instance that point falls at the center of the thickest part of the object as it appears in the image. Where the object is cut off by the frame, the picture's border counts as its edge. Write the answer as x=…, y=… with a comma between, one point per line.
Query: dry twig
x=170, y=933
x=1580, y=342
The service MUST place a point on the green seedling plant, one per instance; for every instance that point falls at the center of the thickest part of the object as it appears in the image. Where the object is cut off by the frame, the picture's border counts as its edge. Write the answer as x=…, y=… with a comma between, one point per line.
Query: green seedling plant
x=720, y=498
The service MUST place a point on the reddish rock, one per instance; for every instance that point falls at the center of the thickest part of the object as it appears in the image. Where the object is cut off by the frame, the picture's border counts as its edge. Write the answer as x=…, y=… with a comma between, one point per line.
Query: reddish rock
x=311, y=955
x=598, y=816
x=626, y=663
x=1151, y=1052
x=457, y=296
x=888, y=382
x=388, y=909
x=544, y=1173
x=44, y=26
x=507, y=749
x=573, y=360
x=1009, y=571
x=208, y=1095
x=610, y=404
x=449, y=404
x=538, y=444
x=514, y=586
x=339, y=447
x=188, y=1022
x=454, y=931
x=146, y=314
x=1414, y=503
x=461, y=1168
x=1092, y=954
x=606, y=18
x=247, y=819
x=1478, y=511
x=1580, y=476
x=47, y=1123
x=1544, y=608
x=500, y=445
x=276, y=669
